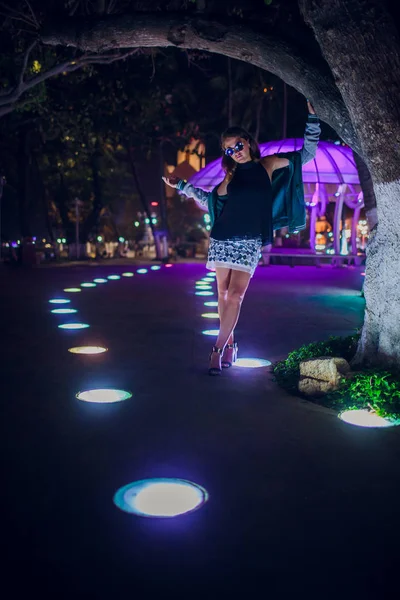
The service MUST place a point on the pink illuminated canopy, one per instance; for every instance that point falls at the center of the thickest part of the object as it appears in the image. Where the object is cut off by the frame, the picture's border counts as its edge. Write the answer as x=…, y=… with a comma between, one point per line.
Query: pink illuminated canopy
x=333, y=164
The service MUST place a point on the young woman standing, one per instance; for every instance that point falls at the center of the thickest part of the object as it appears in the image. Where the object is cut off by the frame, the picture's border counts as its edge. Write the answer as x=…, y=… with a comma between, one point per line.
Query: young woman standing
x=245, y=208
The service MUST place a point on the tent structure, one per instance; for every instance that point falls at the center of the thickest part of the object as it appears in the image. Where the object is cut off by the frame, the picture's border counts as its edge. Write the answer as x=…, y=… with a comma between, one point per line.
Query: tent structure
x=330, y=177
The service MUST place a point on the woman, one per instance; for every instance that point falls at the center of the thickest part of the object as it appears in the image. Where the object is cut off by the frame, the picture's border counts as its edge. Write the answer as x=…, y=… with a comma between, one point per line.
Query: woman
x=245, y=208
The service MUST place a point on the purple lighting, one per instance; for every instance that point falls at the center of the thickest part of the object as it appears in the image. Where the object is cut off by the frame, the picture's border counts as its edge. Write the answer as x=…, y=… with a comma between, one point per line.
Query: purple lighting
x=332, y=164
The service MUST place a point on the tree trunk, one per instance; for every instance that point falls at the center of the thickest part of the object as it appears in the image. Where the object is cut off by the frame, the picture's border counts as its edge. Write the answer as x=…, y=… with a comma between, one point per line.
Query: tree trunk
x=367, y=187
x=361, y=44
x=93, y=219
x=142, y=197
x=61, y=199
x=43, y=195
x=284, y=114
x=23, y=170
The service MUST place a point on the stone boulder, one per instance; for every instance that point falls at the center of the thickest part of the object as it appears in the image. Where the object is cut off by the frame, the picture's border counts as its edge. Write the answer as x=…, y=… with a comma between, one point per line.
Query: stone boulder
x=321, y=375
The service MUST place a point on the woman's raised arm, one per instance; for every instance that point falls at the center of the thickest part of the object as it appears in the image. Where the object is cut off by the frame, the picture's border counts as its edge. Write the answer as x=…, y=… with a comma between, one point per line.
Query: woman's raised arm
x=188, y=189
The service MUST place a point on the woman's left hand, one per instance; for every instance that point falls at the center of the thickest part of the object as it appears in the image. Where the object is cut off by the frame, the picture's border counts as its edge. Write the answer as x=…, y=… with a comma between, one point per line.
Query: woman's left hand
x=310, y=107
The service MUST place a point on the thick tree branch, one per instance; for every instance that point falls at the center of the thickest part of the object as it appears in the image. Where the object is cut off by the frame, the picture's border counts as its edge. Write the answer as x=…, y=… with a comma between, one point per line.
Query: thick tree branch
x=9, y=98
x=308, y=74
x=25, y=64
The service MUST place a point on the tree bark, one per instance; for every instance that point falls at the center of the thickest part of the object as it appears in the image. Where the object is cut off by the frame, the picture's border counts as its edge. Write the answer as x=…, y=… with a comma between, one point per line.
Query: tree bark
x=93, y=219
x=43, y=195
x=300, y=67
x=367, y=188
x=24, y=171
x=142, y=197
x=361, y=44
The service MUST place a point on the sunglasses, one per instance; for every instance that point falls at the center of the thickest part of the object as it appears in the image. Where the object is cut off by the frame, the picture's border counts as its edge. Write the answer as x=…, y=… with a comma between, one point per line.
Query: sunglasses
x=237, y=148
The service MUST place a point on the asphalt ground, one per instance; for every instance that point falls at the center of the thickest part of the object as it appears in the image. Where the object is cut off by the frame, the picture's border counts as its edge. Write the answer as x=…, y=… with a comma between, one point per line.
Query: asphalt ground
x=300, y=503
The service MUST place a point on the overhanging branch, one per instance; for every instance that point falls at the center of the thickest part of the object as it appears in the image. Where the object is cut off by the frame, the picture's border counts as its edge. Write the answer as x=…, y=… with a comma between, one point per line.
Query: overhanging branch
x=9, y=98
x=308, y=74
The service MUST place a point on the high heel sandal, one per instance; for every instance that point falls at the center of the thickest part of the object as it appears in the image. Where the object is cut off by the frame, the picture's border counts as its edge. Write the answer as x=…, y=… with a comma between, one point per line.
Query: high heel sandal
x=216, y=370
x=229, y=356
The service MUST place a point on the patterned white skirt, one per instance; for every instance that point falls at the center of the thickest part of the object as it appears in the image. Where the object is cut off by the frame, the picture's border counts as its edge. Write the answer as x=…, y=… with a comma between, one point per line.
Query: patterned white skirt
x=240, y=255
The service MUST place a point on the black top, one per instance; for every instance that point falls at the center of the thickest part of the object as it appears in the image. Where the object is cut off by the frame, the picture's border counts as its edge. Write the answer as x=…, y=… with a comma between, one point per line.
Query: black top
x=247, y=211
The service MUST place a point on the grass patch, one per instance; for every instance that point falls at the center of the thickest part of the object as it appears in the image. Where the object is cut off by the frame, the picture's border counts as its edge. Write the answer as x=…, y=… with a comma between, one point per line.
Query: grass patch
x=375, y=389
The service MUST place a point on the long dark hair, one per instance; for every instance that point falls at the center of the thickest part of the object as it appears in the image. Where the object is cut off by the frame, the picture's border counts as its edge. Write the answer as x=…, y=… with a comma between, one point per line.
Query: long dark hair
x=228, y=164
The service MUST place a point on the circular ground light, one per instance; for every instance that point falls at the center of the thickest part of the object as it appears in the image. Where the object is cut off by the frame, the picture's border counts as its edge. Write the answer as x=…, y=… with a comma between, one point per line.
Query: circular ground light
x=87, y=350
x=161, y=498
x=100, y=280
x=64, y=311
x=127, y=274
x=59, y=301
x=114, y=277
x=72, y=290
x=155, y=268
x=208, y=280
x=364, y=418
x=168, y=265
x=103, y=396
x=210, y=332
x=252, y=363
x=73, y=326
x=141, y=271
x=88, y=285
x=213, y=315
x=203, y=293
x=211, y=303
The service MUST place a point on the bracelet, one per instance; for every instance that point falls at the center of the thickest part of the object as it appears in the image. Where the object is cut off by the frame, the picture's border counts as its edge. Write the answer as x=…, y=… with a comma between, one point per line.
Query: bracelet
x=181, y=184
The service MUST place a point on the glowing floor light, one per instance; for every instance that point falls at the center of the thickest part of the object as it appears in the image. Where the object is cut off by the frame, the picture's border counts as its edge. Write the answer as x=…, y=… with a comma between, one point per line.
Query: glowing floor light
x=87, y=350
x=100, y=280
x=364, y=418
x=208, y=280
x=141, y=271
x=252, y=363
x=168, y=265
x=162, y=497
x=211, y=315
x=210, y=332
x=104, y=395
x=88, y=285
x=203, y=286
x=155, y=268
x=114, y=277
x=72, y=290
x=211, y=303
x=59, y=301
x=203, y=293
x=127, y=274
x=64, y=311
x=74, y=326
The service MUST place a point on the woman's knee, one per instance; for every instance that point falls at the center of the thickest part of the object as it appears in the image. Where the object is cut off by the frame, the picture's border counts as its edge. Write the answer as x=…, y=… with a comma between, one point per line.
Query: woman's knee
x=235, y=295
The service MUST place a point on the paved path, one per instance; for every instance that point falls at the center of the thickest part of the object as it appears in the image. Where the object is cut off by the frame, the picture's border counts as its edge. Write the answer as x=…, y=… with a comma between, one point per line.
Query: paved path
x=301, y=504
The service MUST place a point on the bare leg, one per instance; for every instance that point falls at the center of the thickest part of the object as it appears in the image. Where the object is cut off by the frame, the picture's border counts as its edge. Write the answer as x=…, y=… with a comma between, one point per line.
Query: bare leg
x=238, y=285
x=223, y=279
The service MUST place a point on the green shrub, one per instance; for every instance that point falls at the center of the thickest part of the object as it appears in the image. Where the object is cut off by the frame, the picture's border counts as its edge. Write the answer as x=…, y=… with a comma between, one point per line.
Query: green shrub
x=376, y=389
x=287, y=372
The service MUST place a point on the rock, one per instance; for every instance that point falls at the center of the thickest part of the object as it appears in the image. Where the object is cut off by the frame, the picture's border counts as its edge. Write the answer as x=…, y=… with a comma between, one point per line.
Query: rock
x=326, y=368
x=315, y=387
x=321, y=375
